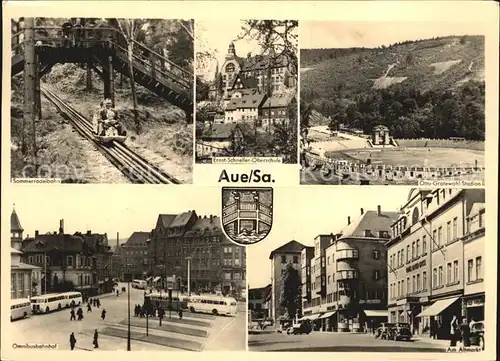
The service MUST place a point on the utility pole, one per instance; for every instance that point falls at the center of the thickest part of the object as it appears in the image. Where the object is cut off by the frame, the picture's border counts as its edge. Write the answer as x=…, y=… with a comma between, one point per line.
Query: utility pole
x=30, y=75
x=128, y=305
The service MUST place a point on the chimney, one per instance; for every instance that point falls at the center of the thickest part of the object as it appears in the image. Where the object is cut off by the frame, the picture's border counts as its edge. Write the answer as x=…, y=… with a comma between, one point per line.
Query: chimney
x=61, y=226
x=117, y=239
x=36, y=233
x=362, y=211
x=348, y=220
x=211, y=219
x=249, y=55
x=379, y=210
x=89, y=232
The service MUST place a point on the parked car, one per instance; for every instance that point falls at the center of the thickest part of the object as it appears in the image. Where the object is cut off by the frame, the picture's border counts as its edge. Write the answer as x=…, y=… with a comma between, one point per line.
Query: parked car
x=400, y=331
x=383, y=329
x=299, y=329
x=477, y=335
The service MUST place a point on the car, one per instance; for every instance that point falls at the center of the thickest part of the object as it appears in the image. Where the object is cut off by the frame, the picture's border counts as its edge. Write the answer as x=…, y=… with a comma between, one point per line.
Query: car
x=382, y=329
x=401, y=331
x=299, y=329
x=477, y=335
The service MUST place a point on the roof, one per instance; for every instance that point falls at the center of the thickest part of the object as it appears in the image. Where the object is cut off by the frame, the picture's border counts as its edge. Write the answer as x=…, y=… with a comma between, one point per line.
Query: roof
x=15, y=225
x=248, y=82
x=21, y=265
x=253, y=100
x=207, y=225
x=278, y=102
x=182, y=220
x=262, y=62
x=137, y=239
x=15, y=251
x=370, y=220
x=379, y=128
x=219, y=131
x=52, y=241
x=290, y=247
x=164, y=220
x=476, y=208
x=261, y=292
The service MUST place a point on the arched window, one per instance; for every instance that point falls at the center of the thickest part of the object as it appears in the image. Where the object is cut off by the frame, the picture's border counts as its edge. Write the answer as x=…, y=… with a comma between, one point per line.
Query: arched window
x=415, y=216
x=230, y=68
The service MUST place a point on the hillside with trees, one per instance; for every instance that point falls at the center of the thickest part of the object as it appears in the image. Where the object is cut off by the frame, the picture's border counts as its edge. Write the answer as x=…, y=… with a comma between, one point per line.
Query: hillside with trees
x=432, y=88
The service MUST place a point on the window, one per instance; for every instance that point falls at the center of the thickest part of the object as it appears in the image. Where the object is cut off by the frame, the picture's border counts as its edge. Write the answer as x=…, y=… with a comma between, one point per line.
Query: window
x=419, y=285
x=328, y=260
x=479, y=270
x=440, y=276
x=424, y=245
x=368, y=233
x=440, y=236
x=418, y=248
x=413, y=254
x=237, y=276
x=455, y=228
x=407, y=253
x=448, y=273
x=376, y=254
x=448, y=232
x=434, y=239
x=69, y=261
x=376, y=275
x=455, y=271
x=481, y=220
x=399, y=289
x=227, y=276
x=414, y=284
x=230, y=68
x=295, y=259
x=470, y=266
x=236, y=262
x=398, y=261
x=424, y=280
x=12, y=285
x=434, y=278
x=283, y=259
x=329, y=279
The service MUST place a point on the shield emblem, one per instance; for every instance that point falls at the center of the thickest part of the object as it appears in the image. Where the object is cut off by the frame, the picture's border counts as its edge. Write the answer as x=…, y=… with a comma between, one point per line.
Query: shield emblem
x=247, y=213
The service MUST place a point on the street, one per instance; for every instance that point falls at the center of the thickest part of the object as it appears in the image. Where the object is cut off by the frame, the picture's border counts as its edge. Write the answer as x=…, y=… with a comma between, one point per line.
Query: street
x=195, y=332
x=339, y=342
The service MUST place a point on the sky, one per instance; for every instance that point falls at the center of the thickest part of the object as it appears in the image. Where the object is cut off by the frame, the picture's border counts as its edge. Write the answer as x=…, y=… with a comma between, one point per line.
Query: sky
x=339, y=34
x=106, y=209
x=215, y=38
x=303, y=213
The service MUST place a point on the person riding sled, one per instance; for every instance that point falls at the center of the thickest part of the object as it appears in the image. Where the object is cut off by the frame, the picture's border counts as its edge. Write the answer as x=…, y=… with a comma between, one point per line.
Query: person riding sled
x=109, y=118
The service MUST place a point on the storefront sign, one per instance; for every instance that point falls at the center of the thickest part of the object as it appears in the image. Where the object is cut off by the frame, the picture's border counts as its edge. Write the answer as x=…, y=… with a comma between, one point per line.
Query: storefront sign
x=369, y=301
x=415, y=266
x=475, y=302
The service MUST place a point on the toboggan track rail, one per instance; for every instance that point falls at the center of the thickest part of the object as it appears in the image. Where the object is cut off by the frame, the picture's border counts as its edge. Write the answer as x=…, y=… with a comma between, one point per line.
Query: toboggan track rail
x=132, y=165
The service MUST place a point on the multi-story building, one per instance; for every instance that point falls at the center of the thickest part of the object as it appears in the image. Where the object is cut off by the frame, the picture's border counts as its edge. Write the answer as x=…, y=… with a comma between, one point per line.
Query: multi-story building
x=101, y=252
x=245, y=106
x=350, y=274
x=289, y=253
x=306, y=258
x=25, y=278
x=187, y=240
x=116, y=259
x=66, y=260
x=134, y=256
x=426, y=257
x=277, y=110
x=259, y=300
x=474, y=247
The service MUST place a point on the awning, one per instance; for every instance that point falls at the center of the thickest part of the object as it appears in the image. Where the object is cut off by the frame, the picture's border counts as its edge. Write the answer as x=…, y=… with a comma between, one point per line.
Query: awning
x=148, y=279
x=437, y=307
x=376, y=313
x=314, y=317
x=303, y=318
x=327, y=314
x=156, y=279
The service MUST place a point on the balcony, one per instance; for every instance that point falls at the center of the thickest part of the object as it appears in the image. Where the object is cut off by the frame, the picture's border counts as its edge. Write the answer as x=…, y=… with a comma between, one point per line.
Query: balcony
x=346, y=275
x=344, y=254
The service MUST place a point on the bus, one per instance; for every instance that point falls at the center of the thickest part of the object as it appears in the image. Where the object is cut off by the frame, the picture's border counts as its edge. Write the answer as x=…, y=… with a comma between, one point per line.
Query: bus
x=20, y=308
x=72, y=299
x=48, y=302
x=141, y=284
x=217, y=305
x=178, y=303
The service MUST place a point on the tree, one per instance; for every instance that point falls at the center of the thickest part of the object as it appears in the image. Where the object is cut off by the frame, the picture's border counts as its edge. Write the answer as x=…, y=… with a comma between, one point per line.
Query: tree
x=290, y=297
x=305, y=115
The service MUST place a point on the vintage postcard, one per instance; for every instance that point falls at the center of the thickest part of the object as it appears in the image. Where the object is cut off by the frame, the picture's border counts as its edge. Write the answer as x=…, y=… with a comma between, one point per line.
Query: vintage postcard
x=335, y=171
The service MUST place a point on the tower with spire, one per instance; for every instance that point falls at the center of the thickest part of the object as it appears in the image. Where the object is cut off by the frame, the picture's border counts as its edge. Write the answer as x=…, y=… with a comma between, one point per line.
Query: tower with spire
x=16, y=231
x=231, y=51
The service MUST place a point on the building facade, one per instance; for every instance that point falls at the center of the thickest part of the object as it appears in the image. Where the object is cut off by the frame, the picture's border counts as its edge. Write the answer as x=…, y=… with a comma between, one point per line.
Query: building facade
x=187, y=240
x=426, y=258
x=134, y=256
x=24, y=278
x=289, y=253
x=306, y=262
x=259, y=300
x=349, y=278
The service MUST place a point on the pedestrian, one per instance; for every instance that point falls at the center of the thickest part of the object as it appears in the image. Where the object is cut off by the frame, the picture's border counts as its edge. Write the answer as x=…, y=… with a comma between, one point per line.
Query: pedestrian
x=117, y=293
x=471, y=323
x=96, y=342
x=454, y=332
x=464, y=327
x=98, y=303
x=90, y=300
x=103, y=314
x=180, y=313
x=72, y=340
x=72, y=313
x=80, y=314
x=89, y=307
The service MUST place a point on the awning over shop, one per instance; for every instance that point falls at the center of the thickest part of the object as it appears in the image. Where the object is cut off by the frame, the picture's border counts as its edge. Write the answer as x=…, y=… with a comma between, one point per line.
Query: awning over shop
x=327, y=314
x=314, y=317
x=303, y=318
x=148, y=279
x=376, y=313
x=156, y=279
x=437, y=307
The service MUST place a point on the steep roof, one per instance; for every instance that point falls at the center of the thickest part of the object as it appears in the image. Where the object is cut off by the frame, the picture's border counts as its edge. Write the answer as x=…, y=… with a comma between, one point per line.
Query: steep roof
x=50, y=242
x=206, y=225
x=164, y=220
x=15, y=251
x=278, y=102
x=15, y=225
x=476, y=208
x=290, y=247
x=253, y=100
x=370, y=220
x=247, y=82
x=261, y=292
x=219, y=131
x=181, y=220
x=262, y=62
x=137, y=239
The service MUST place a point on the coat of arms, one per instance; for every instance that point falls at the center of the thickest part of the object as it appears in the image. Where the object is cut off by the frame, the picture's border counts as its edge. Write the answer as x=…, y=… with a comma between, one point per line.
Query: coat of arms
x=247, y=213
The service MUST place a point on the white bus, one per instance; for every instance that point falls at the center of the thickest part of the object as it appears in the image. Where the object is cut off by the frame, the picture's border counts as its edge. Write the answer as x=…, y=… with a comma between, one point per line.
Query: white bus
x=141, y=284
x=217, y=305
x=20, y=308
x=72, y=299
x=48, y=302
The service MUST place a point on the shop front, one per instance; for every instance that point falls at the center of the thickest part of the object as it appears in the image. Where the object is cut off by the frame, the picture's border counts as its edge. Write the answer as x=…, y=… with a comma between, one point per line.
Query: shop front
x=328, y=321
x=440, y=314
x=473, y=307
x=373, y=319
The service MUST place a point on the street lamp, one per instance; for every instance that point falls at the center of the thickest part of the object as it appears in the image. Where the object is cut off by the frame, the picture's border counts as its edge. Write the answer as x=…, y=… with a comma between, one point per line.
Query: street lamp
x=128, y=304
x=178, y=284
x=189, y=274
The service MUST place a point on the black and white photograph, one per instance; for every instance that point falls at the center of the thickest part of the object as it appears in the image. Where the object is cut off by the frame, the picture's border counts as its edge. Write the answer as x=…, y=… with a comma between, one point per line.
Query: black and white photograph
x=246, y=89
x=130, y=277
x=102, y=100
x=392, y=270
x=392, y=102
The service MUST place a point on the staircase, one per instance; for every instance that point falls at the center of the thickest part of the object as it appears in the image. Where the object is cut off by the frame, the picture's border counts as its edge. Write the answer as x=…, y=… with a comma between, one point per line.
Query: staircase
x=150, y=69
